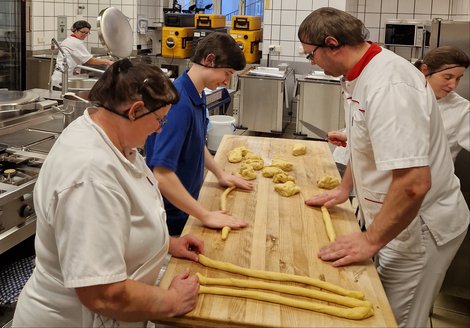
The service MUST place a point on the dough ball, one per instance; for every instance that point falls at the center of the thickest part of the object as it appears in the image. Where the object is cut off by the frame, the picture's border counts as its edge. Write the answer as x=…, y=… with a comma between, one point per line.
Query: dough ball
x=299, y=149
x=287, y=189
x=283, y=177
x=282, y=164
x=257, y=164
x=236, y=154
x=270, y=171
x=247, y=172
x=328, y=182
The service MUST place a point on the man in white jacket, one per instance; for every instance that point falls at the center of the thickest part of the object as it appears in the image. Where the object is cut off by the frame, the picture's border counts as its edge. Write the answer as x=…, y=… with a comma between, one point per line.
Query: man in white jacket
x=400, y=166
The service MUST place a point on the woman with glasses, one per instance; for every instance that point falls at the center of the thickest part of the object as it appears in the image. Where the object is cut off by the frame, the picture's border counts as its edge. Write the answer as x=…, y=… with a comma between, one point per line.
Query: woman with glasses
x=76, y=52
x=101, y=235
x=179, y=154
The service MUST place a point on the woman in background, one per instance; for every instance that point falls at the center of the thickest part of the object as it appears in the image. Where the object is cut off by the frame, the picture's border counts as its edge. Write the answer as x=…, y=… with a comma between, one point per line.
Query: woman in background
x=443, y=68
x=101, y=236
x=77, y=53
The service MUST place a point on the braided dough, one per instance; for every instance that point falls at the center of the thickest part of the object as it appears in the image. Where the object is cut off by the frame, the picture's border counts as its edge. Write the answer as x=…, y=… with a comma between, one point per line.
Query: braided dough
x=360, y=312
x=278, y=276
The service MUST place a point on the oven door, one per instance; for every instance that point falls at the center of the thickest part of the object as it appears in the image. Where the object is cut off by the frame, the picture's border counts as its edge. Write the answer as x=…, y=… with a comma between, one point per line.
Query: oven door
x=400, y=34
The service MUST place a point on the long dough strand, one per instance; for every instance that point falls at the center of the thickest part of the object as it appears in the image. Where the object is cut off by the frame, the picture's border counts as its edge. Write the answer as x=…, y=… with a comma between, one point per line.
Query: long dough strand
x=294, y=290
x=355, y=313
x=223, y=207
x=328, y=225
x=278, y=276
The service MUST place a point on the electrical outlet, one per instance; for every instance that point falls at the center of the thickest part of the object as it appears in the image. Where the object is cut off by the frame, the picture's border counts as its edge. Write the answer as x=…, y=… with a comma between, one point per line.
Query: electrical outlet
x=274, y=49
x=61, y=28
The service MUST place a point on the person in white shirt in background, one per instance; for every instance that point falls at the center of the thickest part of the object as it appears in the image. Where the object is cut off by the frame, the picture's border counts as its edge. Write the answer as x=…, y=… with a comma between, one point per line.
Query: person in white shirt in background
x=443, y=68
x=76, y=52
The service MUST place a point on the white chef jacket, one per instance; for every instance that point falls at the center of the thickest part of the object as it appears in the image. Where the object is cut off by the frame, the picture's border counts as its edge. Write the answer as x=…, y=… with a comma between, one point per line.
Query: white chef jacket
x=100, y=220
x=77, y=54
x=393, y=122
x=455, y=112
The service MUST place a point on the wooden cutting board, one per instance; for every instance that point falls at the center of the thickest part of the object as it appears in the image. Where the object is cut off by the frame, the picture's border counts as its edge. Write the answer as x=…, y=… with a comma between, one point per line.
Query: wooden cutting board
x=284, y=235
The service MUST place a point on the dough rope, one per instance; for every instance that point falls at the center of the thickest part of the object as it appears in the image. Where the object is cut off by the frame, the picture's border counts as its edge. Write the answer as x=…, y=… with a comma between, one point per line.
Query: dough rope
x=328, y=224
x=356, y=313
x=223, y=207
x=278, y=276
x=294, y=290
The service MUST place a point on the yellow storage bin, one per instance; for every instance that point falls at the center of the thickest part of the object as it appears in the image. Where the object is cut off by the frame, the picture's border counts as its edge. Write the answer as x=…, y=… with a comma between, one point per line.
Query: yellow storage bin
x=209, y=20
x=246, y=23
x=177, y=42
x=249, y=43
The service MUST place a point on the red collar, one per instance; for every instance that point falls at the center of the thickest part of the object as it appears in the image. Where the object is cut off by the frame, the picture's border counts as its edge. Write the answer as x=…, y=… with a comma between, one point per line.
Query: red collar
x=354, y=72
x=73, y=36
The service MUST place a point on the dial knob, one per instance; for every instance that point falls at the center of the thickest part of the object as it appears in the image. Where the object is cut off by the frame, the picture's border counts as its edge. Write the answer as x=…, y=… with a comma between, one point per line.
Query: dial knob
x=26, y=210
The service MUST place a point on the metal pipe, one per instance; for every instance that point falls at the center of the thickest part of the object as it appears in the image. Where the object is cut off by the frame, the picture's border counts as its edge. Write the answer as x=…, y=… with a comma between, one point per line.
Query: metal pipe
x=91, y=69
x=64, y=69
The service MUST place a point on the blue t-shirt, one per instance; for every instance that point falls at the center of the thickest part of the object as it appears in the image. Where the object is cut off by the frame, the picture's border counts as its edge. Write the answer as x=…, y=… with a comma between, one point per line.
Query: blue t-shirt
x=179, y=146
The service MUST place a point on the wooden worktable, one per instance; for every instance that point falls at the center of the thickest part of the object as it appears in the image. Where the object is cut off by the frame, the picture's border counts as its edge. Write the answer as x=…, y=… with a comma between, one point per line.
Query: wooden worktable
x=284, y=235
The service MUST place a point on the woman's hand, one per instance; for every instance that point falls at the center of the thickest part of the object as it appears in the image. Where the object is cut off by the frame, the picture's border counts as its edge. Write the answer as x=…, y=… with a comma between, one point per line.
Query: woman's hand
x=186, y=247
x=338, y=138
x=229, y=180
x=220, y=219
x=183, y=293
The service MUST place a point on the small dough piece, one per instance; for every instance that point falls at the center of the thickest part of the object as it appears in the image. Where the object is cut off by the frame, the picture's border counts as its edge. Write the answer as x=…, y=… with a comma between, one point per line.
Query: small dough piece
x=283, y=177
x=299, y=149
x=287, y=189
x=328, y=182
x=282, y=164
x=236, y=154
x=247, y=172
x=328, y=224
x=257, y=164
x=225, y=231
x=270, y=171
x=223, y=198
x=251, y=155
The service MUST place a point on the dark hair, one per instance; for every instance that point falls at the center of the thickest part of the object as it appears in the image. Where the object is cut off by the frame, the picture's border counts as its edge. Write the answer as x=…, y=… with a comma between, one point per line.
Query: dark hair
x=78, y=25
x=123, y=82
x=226, y=51
x=324, y=22
x=439, y=57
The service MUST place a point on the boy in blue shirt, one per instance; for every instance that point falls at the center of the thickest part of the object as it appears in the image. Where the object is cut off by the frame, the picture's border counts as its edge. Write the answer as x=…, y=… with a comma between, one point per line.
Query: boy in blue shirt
x=177, y=155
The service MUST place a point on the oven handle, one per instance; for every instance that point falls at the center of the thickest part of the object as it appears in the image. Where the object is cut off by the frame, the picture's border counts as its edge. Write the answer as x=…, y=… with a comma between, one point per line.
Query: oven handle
x=26, y=188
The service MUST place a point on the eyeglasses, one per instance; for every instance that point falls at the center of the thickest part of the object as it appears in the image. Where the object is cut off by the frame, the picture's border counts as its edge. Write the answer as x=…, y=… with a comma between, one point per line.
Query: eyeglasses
x=311, y=55
x=161, y=120
x=84, y=32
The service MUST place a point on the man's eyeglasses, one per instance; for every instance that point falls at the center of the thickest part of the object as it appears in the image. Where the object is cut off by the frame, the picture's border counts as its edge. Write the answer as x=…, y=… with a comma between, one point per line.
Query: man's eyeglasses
x=311, y=55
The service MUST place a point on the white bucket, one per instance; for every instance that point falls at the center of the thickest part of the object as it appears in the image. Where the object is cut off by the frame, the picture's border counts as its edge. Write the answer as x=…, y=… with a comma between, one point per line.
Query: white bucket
x=220, y=125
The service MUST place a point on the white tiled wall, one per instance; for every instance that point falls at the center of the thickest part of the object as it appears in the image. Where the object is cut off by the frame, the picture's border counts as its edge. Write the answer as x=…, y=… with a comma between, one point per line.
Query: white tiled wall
x=43, y=18
x=282, y=19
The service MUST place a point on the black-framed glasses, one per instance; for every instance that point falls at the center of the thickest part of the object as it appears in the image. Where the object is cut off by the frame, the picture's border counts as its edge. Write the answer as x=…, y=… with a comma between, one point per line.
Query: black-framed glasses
x=311, y=55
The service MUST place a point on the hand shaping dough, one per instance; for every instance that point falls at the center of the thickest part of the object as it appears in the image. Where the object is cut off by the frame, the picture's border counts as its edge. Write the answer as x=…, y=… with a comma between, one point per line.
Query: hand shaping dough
x=270, y=171
x=288, y=289
x=247, y=172
x=328, y=225
x=299, y=149
x=278, y=276
x=283, y=177
x=328, y=182
x=287, y=189
x=283, y=164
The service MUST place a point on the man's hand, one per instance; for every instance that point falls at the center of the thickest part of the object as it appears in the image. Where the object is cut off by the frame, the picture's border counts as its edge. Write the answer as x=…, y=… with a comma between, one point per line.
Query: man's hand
x=330, y=198
x=349, y=249
x=337, y=138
